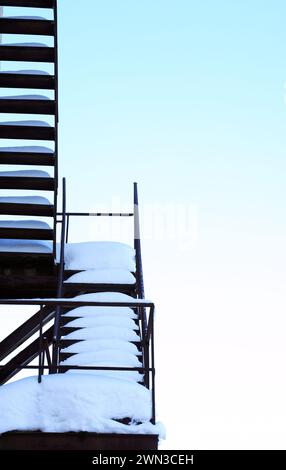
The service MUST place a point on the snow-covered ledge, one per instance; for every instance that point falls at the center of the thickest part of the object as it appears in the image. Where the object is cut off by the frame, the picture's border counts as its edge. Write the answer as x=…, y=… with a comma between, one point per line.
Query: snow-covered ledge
x=63, y=403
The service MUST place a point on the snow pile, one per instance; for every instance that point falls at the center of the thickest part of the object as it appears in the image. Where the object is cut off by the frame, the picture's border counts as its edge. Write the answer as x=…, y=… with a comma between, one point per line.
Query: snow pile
x=103, y=320
x=26, y=44
x=26, y=72
x=116, y=356
x=97, y=345
x=99, y=255
x=25, y=246
x=25, y=200
x=62, y=403
x=84, y=312
x=25, y=97
x=25, y=224
x=26, y=123
x=103, y=332
x=24, y=174
x=103, y=276
x=28, y=149
x=108, y=297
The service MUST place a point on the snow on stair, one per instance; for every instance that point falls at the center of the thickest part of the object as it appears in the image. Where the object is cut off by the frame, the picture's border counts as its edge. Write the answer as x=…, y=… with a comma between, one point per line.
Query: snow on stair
x=25, y=200
x=25, y=224
x=25, y=44
x=103, y=320
x=25, y=97
x=92, y=346
x=24, y=174
x=103, y=332
x=88, y=312
x=103, y=276
x=25, y=246
x=99, y=255
x=24, y=18
x=26, y=123
x=27, y=149
x=98, y=357
x=105, y=324
x=26, y=72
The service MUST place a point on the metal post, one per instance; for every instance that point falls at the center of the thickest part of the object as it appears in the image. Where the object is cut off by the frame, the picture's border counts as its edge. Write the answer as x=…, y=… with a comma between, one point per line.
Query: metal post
x=138, y=255
x=153, y=365
x=57, y=325
x=68, y=228
x=40, y=347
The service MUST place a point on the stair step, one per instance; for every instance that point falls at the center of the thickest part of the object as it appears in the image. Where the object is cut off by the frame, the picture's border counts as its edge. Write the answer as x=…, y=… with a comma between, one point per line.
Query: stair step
x=25, y=247
x=32, y=155
x=34, y=130
x=27, y=25
x=27, y=104
x=28, y=3
x=64, y=356
x=25, y=230
x=65, y=343
x=27, y=79
x=73, y=288
x=36, y=180
x=26, y=205
x=27, y=52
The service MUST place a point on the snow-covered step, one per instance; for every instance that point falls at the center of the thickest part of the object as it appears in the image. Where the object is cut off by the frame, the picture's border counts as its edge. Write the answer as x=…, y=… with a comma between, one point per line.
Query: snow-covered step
x=98, y=280
x=36, y=79
x=29, y=3
x=30, y=180
x=102, y=336
x=103, y=332
x=106, y=358
x=100, y=255
x=27, y=52
x=25, y=246
x=92, y=346
x=26, y=205
x=24, y=174
x=91, y=358
x=90, y=312
x=27, y=155
x=31, y=130
x=27, y=104
x=105, y=320
x=27, y=25
x=64, y=403
x=102, y=276
x=24, y=72
x=25, y=230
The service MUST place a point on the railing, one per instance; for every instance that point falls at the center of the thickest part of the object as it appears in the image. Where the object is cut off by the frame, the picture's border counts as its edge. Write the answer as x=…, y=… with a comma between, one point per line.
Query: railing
x=45, y=363
x=137, y=246
x=56, y=171
x=69, y=215
x=56, y=336
x=52, y=336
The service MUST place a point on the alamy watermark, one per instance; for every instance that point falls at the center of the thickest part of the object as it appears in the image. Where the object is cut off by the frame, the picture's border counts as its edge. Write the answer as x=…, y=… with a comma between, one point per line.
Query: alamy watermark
x=159, y=222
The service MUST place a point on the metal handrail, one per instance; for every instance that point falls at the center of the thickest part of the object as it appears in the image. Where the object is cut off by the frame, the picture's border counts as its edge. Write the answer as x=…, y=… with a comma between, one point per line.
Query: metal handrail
x=138, y=253
x=147, y=339
x=69, y=215
x=56, y=150
x=56, y=335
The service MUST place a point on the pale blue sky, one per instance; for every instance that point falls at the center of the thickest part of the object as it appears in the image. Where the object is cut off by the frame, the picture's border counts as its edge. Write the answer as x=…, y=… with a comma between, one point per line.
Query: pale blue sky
x=188, y=98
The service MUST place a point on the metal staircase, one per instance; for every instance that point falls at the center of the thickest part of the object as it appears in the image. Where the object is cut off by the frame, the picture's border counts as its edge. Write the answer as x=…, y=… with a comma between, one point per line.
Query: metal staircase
x=30, y=273
x=31, y=258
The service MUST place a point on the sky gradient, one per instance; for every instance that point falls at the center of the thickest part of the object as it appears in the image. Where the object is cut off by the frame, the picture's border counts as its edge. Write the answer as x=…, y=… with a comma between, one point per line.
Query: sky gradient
x=188, y=99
